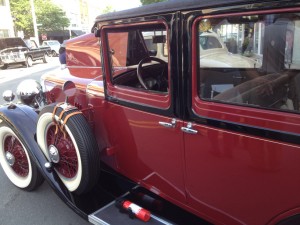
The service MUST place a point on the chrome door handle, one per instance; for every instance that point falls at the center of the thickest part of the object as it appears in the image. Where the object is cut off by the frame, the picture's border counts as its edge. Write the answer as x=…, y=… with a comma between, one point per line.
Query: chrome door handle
x=168, y=125
x=188, y=129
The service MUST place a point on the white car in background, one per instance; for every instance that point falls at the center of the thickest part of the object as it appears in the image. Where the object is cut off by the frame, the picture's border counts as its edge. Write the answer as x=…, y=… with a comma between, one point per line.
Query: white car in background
x=214, y=53
x=54, y=45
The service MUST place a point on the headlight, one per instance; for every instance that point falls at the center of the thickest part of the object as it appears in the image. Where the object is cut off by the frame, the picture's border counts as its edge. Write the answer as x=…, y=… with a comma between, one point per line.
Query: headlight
x=30, y=93
x=8, y=96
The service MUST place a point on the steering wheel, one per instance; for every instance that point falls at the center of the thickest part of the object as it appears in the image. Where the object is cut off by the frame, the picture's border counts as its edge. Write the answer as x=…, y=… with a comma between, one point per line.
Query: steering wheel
x=160, y=79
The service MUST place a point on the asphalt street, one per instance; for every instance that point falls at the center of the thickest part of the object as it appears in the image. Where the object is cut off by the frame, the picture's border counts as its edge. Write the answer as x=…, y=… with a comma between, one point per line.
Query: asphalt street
x=42, y=206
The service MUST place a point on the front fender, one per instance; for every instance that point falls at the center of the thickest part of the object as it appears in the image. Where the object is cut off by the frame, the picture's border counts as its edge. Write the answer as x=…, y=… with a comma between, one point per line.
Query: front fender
x=23, y=120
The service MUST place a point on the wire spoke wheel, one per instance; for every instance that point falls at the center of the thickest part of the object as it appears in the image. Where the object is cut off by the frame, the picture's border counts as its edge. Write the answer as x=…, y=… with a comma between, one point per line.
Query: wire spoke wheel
x=15, y=160
x=67, y=165
x=16, y=156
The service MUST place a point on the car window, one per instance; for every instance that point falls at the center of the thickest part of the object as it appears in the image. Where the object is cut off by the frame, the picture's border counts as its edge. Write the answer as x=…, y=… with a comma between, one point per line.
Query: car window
x=31, y=44
x=252, y=61
x=53, y=43
x=137, y=57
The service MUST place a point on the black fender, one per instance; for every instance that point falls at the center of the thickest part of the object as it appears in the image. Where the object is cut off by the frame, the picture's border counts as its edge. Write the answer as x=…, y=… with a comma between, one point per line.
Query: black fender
x=28, y=54
x=23, y=120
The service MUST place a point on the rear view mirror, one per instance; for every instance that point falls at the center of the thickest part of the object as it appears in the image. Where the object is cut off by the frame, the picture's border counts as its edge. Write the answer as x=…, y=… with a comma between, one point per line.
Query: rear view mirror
x=159, y=39
x=152, y=52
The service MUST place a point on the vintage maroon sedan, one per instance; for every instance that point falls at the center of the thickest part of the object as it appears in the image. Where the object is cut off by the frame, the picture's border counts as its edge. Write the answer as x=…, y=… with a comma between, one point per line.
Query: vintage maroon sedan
x=180, y=112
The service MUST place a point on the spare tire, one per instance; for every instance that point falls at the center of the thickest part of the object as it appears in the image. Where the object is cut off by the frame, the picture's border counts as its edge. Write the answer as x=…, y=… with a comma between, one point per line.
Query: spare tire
x=73, y=150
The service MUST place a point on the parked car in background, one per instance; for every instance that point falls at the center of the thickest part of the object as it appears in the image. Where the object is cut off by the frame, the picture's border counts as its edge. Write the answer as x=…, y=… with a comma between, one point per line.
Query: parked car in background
x=19, y=51
x=54, y=45
x=215, y=53
x=155, y=118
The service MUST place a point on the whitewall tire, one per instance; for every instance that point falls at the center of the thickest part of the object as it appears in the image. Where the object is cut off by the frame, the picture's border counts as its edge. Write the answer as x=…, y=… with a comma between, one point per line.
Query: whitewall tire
x=16, y=162
x=74, y=153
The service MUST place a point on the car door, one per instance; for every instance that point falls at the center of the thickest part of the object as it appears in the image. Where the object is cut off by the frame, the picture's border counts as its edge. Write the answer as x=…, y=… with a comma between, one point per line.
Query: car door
x=143, y=127
x=242, y=142
x=35, y=50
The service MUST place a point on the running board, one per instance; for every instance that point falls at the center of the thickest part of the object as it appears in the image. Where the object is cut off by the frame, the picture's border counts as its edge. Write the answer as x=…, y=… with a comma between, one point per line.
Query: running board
x=142, y=207
x=111, y=214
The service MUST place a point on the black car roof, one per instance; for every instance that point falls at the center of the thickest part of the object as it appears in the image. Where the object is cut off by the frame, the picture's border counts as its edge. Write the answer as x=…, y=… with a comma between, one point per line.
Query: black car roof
x=174, y=5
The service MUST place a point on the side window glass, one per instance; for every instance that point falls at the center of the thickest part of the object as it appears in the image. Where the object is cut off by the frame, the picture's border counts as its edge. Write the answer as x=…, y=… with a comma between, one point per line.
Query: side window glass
x=117, y=51
x=33, y=44
x=251, y=61
x=137, y=57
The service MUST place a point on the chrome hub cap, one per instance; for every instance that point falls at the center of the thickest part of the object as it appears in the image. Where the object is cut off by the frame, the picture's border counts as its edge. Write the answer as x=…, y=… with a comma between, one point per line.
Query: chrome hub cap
x=10, y=158
x=53, y=154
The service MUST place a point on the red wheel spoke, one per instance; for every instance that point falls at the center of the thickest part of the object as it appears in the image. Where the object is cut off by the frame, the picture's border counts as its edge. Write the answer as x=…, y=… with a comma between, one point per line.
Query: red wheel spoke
x=21, y=168
x=68, y=162
x=51, y=135
x=13, y=141
x=20, y=165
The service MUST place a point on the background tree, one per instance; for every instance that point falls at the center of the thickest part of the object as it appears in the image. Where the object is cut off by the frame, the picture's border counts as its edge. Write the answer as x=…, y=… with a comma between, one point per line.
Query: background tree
x=108, y=9
x=147, y=2
x=48, y=14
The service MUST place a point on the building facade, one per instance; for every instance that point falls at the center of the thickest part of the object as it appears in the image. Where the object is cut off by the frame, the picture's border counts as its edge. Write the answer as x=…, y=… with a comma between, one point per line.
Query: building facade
x=78, y=12
x=6, y=22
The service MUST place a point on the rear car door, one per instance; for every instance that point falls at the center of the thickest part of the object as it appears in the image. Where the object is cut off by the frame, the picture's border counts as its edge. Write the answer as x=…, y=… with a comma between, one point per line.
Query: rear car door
x=242, y=132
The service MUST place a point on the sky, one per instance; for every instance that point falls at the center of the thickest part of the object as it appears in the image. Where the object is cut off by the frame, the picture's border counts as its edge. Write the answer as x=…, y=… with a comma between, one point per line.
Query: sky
x=121, y=4
x=117, y=5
